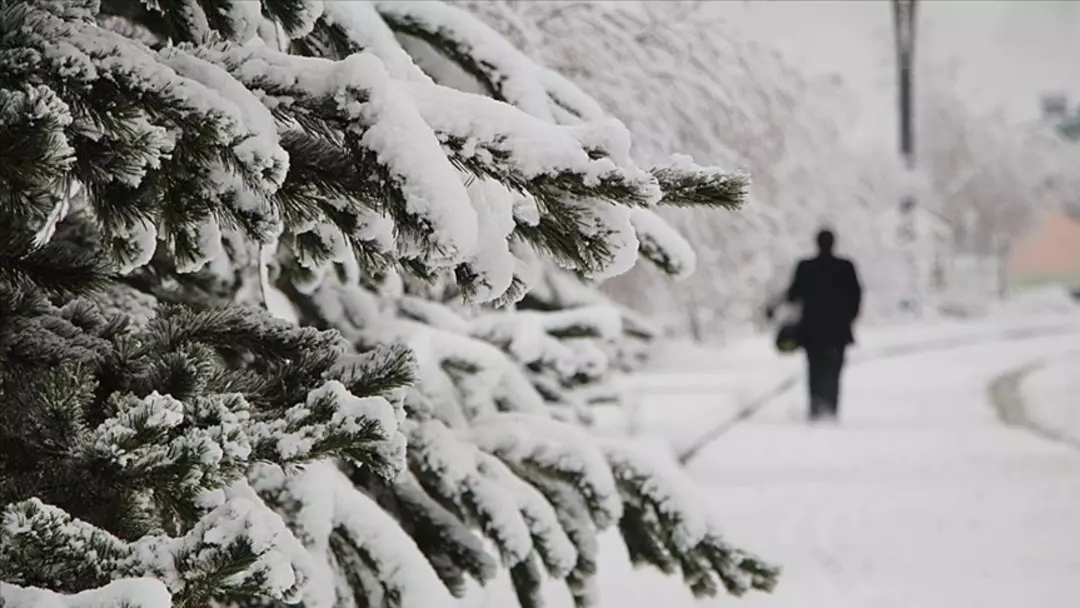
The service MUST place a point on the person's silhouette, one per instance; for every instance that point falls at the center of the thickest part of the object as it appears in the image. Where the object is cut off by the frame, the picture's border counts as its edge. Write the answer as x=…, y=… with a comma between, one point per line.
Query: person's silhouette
x=828, y=290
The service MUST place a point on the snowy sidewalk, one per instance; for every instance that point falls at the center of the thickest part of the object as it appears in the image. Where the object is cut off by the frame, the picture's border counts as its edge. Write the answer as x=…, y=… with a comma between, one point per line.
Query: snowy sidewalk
x=692, y=389
x=920, y=499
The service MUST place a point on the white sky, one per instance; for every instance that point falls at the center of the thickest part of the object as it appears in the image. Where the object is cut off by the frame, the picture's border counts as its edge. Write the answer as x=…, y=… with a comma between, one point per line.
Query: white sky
x=1007, y=52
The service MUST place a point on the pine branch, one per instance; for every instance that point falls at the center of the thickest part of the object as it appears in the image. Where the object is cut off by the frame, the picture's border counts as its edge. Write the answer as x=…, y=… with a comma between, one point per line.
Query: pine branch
x=528, y=579
x=388, y=572
x=445, y=42
x=326, y=39
x=184, y=23
x=466, y=491
x=651, y=250
x=661, y=528
x=330, y=114
x=738, y=570
x=575, y=518
x=662, y=245
x=567, y=227
x=502, y=71
x=685, y=184
x=54, y=268
x=332, y=422
x=449, y=545
x=494, y=159
x=35, y=154
x=556, y=450
x=376, y=372
x=247, y=330
x=293, y=15
x=148, y=148
x=327, y=183
x=37, y=549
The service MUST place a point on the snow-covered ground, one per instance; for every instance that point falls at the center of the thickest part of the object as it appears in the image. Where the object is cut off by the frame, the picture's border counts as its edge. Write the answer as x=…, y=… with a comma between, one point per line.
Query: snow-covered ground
x=919, y=498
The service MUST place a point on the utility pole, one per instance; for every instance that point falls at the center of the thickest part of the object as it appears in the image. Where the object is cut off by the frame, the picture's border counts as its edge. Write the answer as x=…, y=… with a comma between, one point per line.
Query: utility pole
x=904, y=30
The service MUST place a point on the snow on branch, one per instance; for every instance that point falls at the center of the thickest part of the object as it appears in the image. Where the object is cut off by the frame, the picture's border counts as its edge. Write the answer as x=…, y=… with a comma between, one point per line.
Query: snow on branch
x=504, y=71
x=129, y=592
x=663, y=245
x=571, y=173
x=187, y=21
x=477, y=487
x=509, y=76
x=549, y=540
x=489, y=273
x=37, y=116
x=368, y=539
x=171, y=122
x=353, y=27
x=374, y=119
x=491, y=138
x=455, y=472
x=552, y=341
x=574, y=516
x=329, y=419
x=472, y=376
x=238, y=546
x=450, y=545
x=559, y=450
x=124, y=466
x=350, y=537
x=595, y=321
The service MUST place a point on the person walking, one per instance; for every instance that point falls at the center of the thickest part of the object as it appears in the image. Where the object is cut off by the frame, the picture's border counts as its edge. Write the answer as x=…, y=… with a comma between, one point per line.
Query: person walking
x=827, y=289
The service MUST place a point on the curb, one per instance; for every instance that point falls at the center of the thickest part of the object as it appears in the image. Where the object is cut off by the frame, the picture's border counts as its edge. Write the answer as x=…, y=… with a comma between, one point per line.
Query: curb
x=789, y=382
x=1007, y=399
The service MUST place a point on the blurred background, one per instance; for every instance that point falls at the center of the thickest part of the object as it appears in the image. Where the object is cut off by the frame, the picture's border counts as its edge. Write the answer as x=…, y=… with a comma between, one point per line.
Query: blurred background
x=804, y=94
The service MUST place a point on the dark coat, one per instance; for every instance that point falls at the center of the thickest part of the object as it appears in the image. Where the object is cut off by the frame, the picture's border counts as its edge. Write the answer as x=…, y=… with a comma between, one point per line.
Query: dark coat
x=828, y=289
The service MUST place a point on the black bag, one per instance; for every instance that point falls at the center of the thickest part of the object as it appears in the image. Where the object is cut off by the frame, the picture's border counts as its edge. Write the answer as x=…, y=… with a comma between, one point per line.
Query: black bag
x=787, y=337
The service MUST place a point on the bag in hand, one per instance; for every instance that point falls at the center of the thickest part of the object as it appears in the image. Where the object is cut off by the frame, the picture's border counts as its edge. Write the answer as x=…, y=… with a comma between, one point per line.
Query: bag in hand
x=787, y=337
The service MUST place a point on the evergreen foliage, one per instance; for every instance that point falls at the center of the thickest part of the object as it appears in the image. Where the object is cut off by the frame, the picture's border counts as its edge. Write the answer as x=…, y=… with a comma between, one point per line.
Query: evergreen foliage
x=279, y=320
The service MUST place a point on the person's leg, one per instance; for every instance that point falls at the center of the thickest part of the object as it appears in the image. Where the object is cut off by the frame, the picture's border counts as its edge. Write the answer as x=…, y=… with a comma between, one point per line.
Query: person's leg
x=838, y=363
x=816, y=368
x=835, y=370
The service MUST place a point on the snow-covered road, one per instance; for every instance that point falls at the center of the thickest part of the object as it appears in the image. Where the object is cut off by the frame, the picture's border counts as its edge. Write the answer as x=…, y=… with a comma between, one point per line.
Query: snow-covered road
x=919, y=499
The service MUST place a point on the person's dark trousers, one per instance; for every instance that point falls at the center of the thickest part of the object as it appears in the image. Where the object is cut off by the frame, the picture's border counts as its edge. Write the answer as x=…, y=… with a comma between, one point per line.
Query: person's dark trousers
x=825, y=363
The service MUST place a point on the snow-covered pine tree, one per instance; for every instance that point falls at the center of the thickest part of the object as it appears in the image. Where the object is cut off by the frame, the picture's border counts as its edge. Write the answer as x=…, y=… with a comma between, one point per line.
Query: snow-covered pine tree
x=170, y=170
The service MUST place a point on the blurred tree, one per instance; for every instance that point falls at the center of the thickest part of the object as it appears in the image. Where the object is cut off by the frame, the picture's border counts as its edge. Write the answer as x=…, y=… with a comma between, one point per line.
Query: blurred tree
x=683, y=77
x=993, y=179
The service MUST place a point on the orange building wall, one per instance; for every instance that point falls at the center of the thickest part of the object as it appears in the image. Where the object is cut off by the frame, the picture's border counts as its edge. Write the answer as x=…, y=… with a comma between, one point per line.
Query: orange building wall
x=1051, y=252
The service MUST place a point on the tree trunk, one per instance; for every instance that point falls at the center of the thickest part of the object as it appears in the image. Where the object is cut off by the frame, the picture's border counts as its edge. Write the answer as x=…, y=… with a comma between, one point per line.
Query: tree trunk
x=697, y=332
x=1003, y=271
